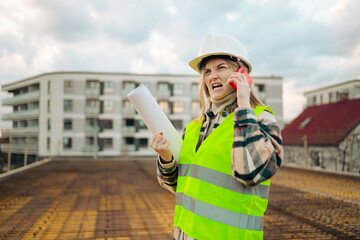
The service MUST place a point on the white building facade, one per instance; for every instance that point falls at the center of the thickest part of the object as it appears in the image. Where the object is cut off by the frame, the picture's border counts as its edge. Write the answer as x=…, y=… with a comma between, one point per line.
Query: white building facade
x=333, y=93
x=72, y=114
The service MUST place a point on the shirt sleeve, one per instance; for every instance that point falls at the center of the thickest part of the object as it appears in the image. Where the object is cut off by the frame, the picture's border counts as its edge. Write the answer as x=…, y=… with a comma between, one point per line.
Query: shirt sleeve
x=167, y=174
x=257, y=148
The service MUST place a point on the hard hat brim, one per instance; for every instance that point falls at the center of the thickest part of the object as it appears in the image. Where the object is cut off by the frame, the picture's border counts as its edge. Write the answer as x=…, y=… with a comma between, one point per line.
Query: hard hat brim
x=194, y=64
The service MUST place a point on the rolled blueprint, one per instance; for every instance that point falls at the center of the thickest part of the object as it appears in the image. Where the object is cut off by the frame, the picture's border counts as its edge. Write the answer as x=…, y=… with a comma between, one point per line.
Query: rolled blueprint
x=154, y=118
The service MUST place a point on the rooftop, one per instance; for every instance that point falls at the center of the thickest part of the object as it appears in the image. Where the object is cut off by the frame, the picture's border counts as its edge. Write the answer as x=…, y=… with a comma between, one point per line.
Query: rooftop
x=326, y=124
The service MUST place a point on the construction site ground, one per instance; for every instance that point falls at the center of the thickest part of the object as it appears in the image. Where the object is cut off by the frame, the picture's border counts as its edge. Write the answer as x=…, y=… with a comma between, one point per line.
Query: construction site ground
x=121, y=199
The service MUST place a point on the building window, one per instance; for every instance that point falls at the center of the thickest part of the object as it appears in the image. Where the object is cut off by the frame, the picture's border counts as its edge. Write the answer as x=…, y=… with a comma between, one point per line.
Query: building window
x=194, y=90
x=67, y=143
x=142, y=124
x=91, y=122
x=331, y=97
x=49, y=87
x=178, y=107
x=68, y=86
x=68, y=105
x=163, y=90
x=129, y=140
x=260, y=87
x=89, y=141
x=337, y=96
x=164, y=105
x=143, y=142
x=48, y=142
x=127, y=104
x=178, y=124
x=108, y=106
x=109, y=87
x=129, y=122
x=321, y=99
x=163, y=87
x=178, y=89
x=107, y=124
x=304, y=123
x=93, y=84
x=49, y=105
x=195, y=106
x=128, y=86
x=23, y=124
x=314, y=100
x=107, y=143
x=48, y=124
x=357, y=92
x=92, y=103
x=127, y=107
x=68, y=124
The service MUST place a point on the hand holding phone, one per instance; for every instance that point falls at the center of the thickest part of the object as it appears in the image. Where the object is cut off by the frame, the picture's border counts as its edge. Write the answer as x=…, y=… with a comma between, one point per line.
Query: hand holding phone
x=248, y=78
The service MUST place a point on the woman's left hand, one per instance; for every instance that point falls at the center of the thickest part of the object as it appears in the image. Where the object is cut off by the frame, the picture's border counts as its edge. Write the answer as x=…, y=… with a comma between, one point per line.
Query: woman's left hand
x=243, y=89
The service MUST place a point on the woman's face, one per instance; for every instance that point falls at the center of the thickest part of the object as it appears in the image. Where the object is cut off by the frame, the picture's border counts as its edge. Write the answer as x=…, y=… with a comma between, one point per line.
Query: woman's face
x=216, y=73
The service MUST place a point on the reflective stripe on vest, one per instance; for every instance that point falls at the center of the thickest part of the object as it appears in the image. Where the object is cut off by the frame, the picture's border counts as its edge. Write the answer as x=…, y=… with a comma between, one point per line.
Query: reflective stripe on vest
x=210, y=202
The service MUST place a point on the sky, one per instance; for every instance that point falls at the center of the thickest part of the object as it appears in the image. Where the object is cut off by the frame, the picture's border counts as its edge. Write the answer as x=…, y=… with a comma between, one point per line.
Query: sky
x=309, y=43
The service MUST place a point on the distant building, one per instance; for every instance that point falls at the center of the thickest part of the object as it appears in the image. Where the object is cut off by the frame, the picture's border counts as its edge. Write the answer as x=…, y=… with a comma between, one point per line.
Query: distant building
x=333, y=93
x=88, y=113
x=328, y=134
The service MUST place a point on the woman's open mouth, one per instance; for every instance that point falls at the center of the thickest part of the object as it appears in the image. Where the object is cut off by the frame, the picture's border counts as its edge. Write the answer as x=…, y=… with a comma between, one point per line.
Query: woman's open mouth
x=216, y=85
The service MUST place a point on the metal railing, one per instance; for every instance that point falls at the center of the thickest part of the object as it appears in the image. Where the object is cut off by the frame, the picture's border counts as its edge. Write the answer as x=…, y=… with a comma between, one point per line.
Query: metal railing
x=21, y=98
x=22, y=114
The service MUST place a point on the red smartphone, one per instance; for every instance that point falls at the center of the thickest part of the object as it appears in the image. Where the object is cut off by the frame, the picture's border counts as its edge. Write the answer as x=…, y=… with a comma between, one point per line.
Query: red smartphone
x=243, y=71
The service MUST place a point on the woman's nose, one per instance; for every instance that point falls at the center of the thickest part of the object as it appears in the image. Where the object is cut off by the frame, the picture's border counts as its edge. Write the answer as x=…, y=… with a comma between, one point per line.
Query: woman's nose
x=213, y=75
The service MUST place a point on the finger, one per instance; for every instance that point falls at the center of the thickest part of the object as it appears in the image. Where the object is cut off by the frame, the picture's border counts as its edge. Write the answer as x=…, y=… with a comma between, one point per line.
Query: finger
x=155, y=139
x=163, y=141
x=167, y=144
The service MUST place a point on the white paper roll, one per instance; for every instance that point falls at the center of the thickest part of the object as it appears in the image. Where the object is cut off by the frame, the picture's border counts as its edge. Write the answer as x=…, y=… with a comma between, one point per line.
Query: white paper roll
x=154, y=118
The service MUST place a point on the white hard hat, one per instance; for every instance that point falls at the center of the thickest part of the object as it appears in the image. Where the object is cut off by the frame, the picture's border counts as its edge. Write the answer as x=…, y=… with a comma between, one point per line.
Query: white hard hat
x=221, y=44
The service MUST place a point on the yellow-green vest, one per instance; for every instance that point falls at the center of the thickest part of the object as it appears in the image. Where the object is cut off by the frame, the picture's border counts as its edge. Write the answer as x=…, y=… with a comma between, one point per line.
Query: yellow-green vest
x=209, y=202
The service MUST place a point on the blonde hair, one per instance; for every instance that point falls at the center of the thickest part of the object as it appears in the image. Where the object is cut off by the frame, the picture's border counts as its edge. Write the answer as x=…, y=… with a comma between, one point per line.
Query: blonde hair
x=204, y=92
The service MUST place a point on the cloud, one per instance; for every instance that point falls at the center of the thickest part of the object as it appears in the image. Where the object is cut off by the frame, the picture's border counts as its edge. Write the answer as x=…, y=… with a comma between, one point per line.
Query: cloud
x=308, y=43
x=294, y=100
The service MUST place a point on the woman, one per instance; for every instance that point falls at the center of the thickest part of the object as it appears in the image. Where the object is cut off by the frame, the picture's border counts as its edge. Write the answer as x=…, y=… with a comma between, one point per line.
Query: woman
x=222, y=177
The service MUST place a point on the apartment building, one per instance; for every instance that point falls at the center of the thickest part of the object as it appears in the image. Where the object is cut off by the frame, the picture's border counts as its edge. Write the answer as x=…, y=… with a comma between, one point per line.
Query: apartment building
x=333, y=93
x=88, y=113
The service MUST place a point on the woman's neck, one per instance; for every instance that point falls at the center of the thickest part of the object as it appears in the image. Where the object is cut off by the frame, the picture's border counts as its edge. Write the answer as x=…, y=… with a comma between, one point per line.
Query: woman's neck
x=218, y=105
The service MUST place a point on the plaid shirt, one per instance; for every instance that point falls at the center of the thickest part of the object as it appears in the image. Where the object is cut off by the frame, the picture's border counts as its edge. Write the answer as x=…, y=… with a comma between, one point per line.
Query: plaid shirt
x=257, y=149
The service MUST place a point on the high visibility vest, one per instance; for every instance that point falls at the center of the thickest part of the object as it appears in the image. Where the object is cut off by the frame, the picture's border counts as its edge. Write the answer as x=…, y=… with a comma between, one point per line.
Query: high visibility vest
x=209, y=202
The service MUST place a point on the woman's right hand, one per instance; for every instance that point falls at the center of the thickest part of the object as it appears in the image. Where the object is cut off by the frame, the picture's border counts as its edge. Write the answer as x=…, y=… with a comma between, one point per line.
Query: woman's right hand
x=161, y=145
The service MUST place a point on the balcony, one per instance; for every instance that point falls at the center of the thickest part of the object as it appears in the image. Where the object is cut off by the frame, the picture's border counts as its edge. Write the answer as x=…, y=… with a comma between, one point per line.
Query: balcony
x=21, y=98
x=19, y=147
x=163, y=94
x=91, y=129
x=92, y=92
x=126, y=91
x=91, y=148
x=128, y=129
x=92, y=110
x=22, y=114
x=129, y=111
x=23, y=131
x=130, y=147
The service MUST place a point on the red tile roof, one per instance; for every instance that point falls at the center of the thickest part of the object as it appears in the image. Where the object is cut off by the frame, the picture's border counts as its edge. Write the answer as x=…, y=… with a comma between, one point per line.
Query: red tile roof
x=328, y=124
